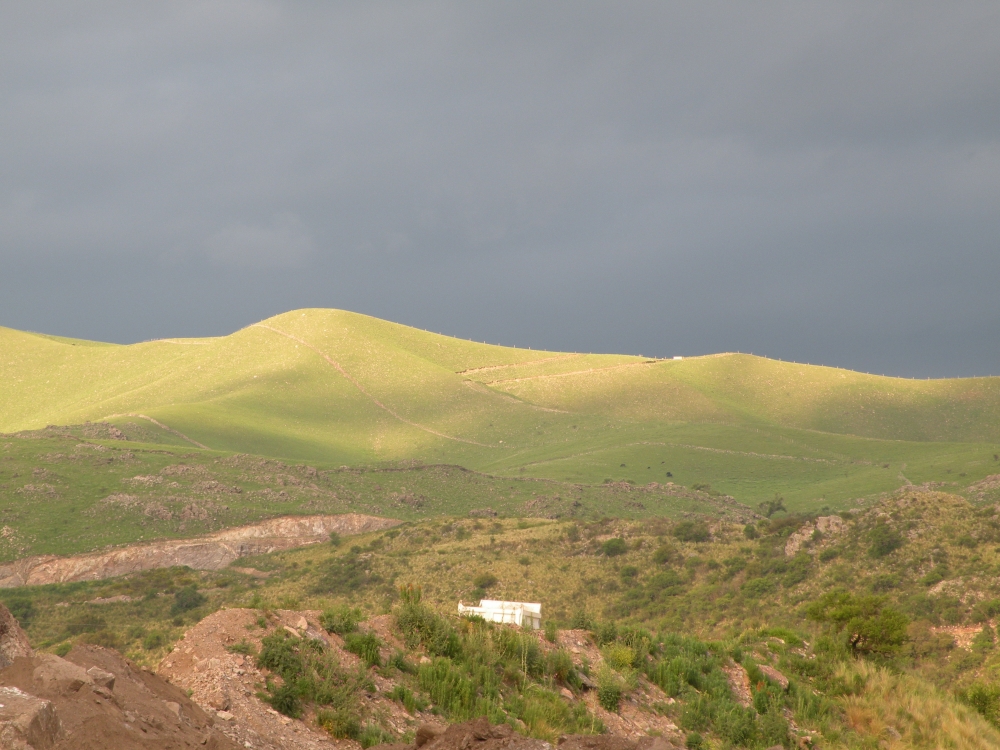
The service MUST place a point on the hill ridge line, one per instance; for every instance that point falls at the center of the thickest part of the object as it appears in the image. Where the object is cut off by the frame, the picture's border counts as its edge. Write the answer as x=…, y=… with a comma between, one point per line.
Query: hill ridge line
x=336, y=365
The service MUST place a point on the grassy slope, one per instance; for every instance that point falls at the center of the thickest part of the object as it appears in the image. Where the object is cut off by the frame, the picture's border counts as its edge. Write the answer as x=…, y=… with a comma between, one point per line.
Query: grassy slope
x=333, y=388
x=156, y=486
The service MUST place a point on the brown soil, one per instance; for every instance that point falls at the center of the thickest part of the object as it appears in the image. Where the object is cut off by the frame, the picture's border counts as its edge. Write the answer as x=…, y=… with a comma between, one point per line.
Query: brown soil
x=137, y=710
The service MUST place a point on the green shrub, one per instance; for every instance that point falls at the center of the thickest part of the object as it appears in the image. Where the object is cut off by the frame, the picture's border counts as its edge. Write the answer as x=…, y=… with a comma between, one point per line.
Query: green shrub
x=485, y=581
x=285, y=700
x=63, y=648
x=335, y=540
x=935, y=575
x=186, y=599
x=422, y=626
x=884, y=582
x=341, y=724
x=581, y=621
x=340, y=620
x=366, y=646
x=769, y=507
x=609, y=691
x=559, y=664
x=606, y=632
x=309, y=673
x=694, y=741
x=692, y=531
x=985, y=610
x=755, y=588
x=243, y=647
x=883, y=540
x=614, y=547
x=399, y=661
x=408, y=699
x=968, y=541
x=280, y=653
x=984, y=640
x=666, y=554
x=619, y=656
x=870, y=626
x=154, y=640
x=551, y=632
x=372, y=735
x=985, y=699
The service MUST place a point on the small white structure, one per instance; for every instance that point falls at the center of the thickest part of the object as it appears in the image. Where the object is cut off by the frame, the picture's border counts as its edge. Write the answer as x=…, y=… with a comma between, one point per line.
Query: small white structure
x=523, y=614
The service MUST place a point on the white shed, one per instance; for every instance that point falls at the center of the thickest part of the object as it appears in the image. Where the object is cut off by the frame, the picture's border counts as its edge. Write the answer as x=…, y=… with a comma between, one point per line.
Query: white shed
x=523, y=614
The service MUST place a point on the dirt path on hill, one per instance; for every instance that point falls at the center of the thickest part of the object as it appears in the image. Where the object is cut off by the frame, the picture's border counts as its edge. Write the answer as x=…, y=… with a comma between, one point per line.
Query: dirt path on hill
x=480, y=388
x=336, y=365
x=162, y=426
x=212, y=552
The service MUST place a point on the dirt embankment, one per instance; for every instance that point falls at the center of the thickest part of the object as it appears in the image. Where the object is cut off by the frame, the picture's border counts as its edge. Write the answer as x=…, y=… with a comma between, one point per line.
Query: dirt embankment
x=201, y=553
x=95, y=699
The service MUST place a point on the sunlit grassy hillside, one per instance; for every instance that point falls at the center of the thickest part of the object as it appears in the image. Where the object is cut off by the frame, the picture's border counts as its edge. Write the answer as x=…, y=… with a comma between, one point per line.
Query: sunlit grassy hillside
x=333, y=387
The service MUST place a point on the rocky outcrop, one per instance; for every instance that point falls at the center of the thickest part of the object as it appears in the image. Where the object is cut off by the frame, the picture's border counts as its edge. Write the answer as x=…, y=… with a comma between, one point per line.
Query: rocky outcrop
x=13, y=640
x=27, y=722
x=827, y=526
x=212, y=552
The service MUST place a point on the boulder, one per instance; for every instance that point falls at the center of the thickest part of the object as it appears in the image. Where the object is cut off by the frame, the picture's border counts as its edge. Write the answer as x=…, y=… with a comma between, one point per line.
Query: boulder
x=27, y=722
x=101, y=677
x=58, y=675
x=426, y=733
x=13, y=640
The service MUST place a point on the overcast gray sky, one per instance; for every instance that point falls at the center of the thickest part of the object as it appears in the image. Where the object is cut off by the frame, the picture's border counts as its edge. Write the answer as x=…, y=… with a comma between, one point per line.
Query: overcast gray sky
x=811, y=181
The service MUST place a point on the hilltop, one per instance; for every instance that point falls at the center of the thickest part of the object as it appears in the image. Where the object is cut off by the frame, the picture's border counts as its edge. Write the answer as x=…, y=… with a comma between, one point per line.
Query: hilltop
x=334, y=388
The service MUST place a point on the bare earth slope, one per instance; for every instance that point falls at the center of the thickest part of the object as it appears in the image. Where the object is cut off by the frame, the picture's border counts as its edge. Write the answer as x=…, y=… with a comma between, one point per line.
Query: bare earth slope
x=212, y=552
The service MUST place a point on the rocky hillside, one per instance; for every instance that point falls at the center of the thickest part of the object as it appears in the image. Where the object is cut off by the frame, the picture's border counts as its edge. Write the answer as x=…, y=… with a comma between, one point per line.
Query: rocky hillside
x=92, y=699
x=846, y=628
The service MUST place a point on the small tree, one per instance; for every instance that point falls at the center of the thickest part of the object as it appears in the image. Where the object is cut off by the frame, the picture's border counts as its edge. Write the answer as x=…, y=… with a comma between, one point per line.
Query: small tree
x=884, y=540
x=871, y=628
x=770, y=507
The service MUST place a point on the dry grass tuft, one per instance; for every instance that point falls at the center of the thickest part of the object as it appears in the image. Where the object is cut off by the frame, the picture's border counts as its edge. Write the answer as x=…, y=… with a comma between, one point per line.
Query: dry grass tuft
x=904, y=711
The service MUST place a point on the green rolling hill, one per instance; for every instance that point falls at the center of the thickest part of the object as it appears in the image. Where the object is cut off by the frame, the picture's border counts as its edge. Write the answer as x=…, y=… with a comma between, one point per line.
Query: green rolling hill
x=337, y=388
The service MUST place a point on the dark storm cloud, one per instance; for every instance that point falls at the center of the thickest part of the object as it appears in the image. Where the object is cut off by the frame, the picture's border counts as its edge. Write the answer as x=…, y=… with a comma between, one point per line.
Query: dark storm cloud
x=813, y=181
